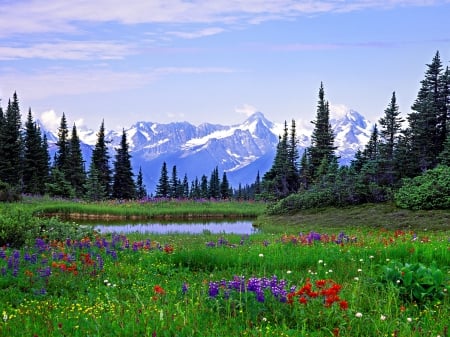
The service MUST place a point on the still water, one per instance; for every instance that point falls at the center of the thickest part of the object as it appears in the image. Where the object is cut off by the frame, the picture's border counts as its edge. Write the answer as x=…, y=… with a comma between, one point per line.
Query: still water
x=225, y=227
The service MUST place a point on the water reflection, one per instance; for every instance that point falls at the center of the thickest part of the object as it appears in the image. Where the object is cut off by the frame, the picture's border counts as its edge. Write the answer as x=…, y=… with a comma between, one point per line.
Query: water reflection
x=228, y=227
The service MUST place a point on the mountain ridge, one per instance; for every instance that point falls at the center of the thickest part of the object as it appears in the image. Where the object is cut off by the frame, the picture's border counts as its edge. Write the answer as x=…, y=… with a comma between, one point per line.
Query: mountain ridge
x=241, y=150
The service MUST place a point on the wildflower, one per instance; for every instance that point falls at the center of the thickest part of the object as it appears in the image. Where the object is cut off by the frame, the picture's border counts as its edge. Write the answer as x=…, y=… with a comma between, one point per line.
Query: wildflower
x=409, y=319
x=359, y=270
x=5, y=316
x=371, y=257
x=289, y=271
x=383, y=318
x=184, y=288
x=320, y=261
x=358, y=315
x=159, y=290
x=261, y=255
x=343, y=305
x=356, y=278
x=361, y=260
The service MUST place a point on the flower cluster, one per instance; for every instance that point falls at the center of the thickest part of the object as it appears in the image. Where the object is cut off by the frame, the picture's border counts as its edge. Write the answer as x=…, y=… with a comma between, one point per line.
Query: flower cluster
x=325, y=290
x=312, y=237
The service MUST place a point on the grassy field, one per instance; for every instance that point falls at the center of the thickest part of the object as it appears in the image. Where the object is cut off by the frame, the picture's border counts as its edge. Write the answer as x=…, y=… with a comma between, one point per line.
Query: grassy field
x=364, y=274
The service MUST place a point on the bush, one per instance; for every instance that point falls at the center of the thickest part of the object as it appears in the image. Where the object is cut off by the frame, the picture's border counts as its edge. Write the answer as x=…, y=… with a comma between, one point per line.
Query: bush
x=8, y=193
x=430, y=190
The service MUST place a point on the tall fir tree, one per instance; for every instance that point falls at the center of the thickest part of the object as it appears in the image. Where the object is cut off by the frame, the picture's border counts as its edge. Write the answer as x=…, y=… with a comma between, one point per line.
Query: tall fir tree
x=427, y=122
x=123, y=182
x=141, y=190
x=11, y=144
x=35, y=159
x=204, y=191
x=322, y=138
x=62, y=156
x=76, y=171
x=214, y=184
x=100, y=157
x=174, y=183
x=224, y=187
x=163, y=187
x=94, y=188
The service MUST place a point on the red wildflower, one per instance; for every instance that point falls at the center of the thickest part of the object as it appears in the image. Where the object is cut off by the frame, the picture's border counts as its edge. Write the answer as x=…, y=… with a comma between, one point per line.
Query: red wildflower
x=336, y=332
x=344, y=305
x=303, y=300
x=159, y=290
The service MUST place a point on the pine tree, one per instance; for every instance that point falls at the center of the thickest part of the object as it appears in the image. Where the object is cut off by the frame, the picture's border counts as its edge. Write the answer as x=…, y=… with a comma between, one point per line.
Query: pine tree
x=214, y=184
x=322, y=138
x=94, y=187
x=427, y=122
x=390, y=130
x=224, y=187
x=163, y=187
x=257, y=184
x=62, y=159
x=204, y=192
x=35, y=159
x=305, y=178
x=174, y=183
x=76, y=173
x=11, y=144
x=185, y=185
x=141, y=191
x=293, y=156
x=123, y=183
x=100, y=158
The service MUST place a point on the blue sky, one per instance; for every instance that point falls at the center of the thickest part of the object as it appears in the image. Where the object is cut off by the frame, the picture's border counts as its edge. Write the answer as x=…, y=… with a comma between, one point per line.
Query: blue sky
x=214, y=61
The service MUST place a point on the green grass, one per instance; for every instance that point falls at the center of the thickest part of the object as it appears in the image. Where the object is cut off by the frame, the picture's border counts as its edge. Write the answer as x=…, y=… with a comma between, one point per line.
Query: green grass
x=145, y=210
x=133, y=286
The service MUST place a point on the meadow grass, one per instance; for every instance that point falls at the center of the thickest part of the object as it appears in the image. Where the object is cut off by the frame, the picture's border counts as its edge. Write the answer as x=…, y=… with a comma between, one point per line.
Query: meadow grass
x=145, y=209
x=317, y=273
x=199, y=285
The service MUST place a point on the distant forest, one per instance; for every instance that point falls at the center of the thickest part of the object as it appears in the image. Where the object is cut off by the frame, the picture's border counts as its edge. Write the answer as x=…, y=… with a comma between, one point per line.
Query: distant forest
x=405, y=160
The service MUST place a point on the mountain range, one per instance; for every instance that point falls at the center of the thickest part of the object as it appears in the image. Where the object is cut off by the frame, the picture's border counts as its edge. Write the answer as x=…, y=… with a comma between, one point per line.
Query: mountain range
x=240, y=150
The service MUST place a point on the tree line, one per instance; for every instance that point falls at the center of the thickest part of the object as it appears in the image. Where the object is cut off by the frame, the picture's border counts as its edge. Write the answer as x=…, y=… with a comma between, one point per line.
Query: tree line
x=395, y=154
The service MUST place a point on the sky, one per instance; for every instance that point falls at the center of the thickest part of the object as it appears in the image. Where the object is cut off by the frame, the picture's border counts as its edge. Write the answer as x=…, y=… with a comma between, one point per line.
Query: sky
x=214, y=61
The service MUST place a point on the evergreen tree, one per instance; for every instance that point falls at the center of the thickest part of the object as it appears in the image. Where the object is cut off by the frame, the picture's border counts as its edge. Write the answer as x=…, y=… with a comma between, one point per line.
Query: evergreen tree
x=204, y=192
x=100, y=157
x=35, y=159
x=62, y=156
x=174, y=183
x=214, y=184
x=185, y=187
x=163, y=187
x=123, y=183
x=224, y=187
x=427, y=122
x=141, y=191
x=95, y=191
x=11, y=144
x=305, y=178
x=195, y=192
x=76, y=173
x=444, y=156
x=390, y=130
x=322, y=138
x=58, y=186
x=257, y=184
x=293, y=156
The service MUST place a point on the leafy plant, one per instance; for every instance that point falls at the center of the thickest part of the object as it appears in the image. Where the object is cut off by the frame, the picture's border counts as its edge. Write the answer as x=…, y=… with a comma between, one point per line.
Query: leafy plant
x=415, y=281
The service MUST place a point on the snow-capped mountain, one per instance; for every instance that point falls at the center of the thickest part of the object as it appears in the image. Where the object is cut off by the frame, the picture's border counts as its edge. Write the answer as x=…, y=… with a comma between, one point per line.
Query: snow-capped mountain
x=241, y=150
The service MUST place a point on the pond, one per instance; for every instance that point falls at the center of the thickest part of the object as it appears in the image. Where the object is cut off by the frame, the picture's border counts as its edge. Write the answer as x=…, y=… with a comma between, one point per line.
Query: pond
x=182, y=227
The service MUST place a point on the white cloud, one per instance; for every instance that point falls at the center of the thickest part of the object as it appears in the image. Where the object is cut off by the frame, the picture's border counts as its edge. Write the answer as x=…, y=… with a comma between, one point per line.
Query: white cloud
x=246, y=109
x=70, y=50
x=50, y=120
x=197, y=34
x=43, y=16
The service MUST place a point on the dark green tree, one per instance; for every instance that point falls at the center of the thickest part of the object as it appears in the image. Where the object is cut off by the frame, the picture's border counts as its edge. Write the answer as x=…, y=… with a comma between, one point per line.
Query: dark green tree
x=123, y=183
x=174, y=183
x=322, y=138
x=224, y=187
x=100, y=158
x=94, y=188
x=305, y=177
x=35, y=159
x=62, y=155
x=214, y=184
x=204, y=192
x=141, y=191
x=427, y=122
x=58, y=185
x=163, y=187
x=257, y=184
x=185, y=187
x=11, y=144
x=76, y=173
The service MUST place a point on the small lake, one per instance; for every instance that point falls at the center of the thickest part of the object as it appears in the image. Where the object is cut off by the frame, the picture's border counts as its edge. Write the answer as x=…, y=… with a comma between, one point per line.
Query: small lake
x=182, y=227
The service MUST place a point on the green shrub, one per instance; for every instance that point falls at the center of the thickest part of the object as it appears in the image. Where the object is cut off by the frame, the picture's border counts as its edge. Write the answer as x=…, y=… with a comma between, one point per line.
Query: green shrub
x=8, y=193
x=415, y=282
x=430, y=190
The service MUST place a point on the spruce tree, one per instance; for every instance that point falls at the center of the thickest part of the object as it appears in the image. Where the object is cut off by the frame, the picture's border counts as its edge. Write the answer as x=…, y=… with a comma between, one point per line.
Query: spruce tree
x=76, y=171
x=224, y=187
x=174, y=183
x=163, y=187
x=204, y=192
x=185, y=185
x=141, y=191
x=322, y=138
x=35, y=159
x=11, y=144
x=62, y=157
x=214, y=184
x=100, y=157
x=94, y=188
x=123, y=183
x=427, y=122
